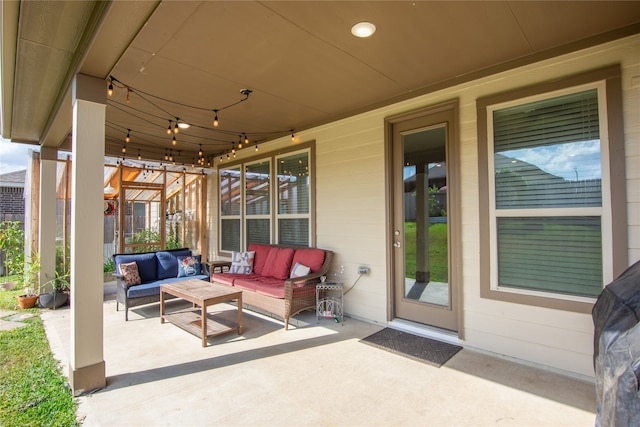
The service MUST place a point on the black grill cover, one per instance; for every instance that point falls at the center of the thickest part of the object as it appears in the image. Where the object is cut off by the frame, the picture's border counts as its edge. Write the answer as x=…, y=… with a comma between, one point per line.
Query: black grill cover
x=616, y=352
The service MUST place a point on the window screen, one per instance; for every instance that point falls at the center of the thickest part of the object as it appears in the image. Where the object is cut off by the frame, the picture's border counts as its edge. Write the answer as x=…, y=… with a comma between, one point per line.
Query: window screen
x=547, y=155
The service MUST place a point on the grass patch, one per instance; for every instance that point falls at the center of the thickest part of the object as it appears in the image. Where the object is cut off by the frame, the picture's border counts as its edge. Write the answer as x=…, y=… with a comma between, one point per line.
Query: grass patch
x=33, y=391
x=438, y=251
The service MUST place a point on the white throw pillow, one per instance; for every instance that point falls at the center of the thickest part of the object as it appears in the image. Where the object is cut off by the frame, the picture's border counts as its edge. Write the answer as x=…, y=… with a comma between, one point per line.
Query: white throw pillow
x=299, y=270
x=242, y=262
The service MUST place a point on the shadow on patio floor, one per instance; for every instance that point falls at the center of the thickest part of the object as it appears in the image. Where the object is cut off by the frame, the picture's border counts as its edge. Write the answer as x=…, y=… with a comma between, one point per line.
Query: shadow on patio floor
x=313, y=374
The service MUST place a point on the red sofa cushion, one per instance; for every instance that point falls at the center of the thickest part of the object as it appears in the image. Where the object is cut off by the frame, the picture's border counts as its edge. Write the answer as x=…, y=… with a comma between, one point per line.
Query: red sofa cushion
x=269, y=286
x=230, y=278
x=312, y=258
x=260, y=257
x=278, y=263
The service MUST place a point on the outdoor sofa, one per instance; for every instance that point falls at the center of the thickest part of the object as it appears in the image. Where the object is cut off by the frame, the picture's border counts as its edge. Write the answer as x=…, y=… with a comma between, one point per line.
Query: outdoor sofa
x=279, y=279
x=140, y=275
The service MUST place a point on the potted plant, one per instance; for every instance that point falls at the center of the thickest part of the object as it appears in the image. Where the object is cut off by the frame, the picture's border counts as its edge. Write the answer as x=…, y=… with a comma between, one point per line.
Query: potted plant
x=108, y=268
x=58, y=296
x=30, y=279
x=11, y=243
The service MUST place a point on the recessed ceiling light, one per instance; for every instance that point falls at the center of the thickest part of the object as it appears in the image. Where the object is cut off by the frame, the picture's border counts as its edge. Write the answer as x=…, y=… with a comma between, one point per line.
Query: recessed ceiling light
x=363, y=29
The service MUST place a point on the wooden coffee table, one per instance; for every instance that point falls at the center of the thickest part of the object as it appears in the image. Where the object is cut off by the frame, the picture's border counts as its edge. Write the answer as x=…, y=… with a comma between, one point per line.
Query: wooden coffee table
x=202, y=294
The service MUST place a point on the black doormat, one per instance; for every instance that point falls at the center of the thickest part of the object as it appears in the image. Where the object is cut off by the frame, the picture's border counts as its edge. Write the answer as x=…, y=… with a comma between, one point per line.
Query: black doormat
x=423, y=349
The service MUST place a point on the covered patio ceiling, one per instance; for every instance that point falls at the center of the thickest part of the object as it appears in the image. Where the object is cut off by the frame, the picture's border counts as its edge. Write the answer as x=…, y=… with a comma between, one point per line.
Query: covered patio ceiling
x=304, y=67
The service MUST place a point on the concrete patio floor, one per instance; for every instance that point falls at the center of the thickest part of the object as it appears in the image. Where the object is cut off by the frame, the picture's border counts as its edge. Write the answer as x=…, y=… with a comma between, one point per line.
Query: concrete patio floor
x=314, y=374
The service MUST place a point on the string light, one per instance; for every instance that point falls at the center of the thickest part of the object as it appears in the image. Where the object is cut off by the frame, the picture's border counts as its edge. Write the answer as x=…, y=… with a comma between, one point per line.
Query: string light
x=233, y=148
x=166, y=156
x=124, y=148
x=175, y=123
x=170, y=155
x=140, y=156
x=128, y=137
x=293, y=136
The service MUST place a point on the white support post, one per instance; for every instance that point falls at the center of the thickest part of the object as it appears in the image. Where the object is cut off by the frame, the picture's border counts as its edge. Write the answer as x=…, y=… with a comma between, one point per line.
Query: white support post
x=47, y=216
x=86, y=364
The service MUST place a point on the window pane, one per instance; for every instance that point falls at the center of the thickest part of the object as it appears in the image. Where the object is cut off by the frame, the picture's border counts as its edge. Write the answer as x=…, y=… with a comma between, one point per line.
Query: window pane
x=547, y=153
x=230, y=235
x=293, y=231
x=258, y=231
x=553, y=254
x=293, y=184
x=230, y=191
x=257, y=183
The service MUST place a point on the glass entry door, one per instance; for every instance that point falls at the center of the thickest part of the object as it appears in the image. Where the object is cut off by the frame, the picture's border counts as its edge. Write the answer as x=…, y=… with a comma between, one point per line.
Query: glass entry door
x=423, y=291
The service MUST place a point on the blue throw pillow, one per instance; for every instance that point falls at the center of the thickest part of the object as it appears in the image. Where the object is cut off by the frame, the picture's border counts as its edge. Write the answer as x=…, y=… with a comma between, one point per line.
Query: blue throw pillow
x=188, y=266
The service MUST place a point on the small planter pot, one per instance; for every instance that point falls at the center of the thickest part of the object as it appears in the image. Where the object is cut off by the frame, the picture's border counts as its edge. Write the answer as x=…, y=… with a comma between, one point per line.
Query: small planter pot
x=27, y=301
x=52, y=300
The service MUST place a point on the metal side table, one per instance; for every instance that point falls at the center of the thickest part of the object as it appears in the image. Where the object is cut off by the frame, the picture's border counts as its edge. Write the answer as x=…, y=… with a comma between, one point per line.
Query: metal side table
x=329, y=301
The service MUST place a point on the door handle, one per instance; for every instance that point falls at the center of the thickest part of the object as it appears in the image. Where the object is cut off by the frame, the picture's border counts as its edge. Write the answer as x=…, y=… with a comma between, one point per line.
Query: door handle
x=396, y=244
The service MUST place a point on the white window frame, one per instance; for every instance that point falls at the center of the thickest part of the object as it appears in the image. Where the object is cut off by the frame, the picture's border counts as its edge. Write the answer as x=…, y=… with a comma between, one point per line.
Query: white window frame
x=274, y=215
x=244, y=214
x=240, y=216
x=604, y=212
x=276, y=208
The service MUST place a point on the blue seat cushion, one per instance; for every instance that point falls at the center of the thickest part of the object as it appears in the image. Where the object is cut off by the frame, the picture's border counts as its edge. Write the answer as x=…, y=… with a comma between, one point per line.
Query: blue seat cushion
x=147, y=265
x=153, y=288
x=168, y=262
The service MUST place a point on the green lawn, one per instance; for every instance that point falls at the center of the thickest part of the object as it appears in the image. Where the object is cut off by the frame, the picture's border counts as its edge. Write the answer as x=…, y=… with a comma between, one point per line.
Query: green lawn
x=438, y=251
x=33, y=391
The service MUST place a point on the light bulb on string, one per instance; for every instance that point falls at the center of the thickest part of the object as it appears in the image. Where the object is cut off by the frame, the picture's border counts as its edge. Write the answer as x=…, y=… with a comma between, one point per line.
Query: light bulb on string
x=110, y=89
x=200, y=151
x=166, y=156
x=128, y=137
x=176, y=129
x=239, y=142
x=246, y=140
x=124, y=148
x=169, y=130
x=256, y=147
x=174, y=141
x=215, y=119
x=139, y=156
x=233, y=148
x=293, y=136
